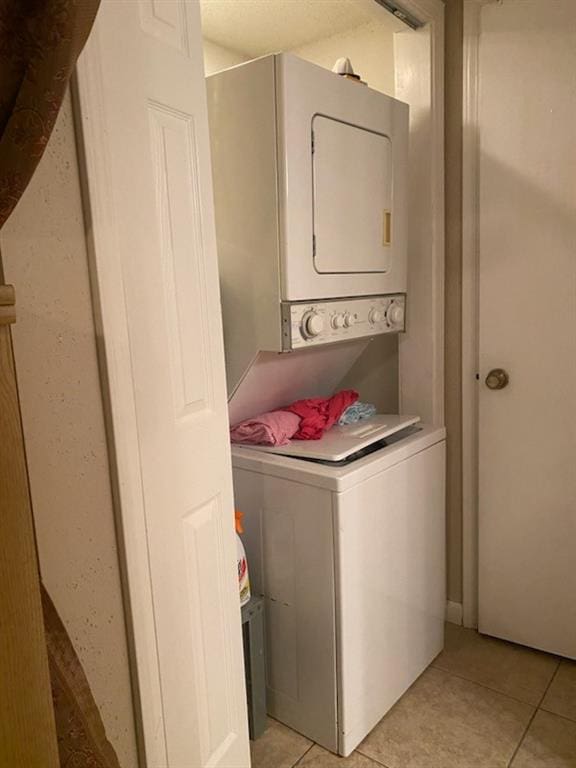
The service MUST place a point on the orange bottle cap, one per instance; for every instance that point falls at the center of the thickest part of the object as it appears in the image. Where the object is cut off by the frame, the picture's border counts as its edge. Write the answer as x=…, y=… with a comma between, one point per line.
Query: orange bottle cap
x=238, y=519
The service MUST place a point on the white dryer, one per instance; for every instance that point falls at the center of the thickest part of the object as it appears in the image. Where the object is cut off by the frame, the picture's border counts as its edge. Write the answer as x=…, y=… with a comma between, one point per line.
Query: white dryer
x=310, y=188
x=349, y=557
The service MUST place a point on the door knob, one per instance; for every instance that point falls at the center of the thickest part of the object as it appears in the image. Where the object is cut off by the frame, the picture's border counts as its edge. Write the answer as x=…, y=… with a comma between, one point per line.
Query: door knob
x=497, y=379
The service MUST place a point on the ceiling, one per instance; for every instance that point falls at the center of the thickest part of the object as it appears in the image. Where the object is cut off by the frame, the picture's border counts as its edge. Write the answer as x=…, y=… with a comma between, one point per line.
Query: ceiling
x=257, y=27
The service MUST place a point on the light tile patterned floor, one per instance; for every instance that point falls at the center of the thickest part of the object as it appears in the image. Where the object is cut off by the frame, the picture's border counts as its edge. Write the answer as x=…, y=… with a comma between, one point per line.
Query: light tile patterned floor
x=483, y=703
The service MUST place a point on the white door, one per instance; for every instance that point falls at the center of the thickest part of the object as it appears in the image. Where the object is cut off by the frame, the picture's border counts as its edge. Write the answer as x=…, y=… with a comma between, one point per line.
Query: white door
x=145, y=137
x=352, y=190
x=528, y=323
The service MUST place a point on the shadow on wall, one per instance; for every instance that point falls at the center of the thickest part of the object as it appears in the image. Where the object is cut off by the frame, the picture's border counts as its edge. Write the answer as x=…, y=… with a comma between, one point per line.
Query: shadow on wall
x=549, y=232
x=545, y=244
x=375, y=374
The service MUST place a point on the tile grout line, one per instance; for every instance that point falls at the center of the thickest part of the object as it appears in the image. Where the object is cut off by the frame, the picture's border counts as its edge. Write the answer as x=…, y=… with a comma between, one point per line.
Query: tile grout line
x=495, y=690
x=536, y=706
x=311, y=747
x=372, y=759
x=556, y=714
x=304, y=755
x=533, y=716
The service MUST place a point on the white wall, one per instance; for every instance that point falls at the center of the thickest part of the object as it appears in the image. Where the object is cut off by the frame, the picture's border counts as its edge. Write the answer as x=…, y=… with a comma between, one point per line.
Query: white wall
x=370, y=48
x=217, y=58
x=44, y=254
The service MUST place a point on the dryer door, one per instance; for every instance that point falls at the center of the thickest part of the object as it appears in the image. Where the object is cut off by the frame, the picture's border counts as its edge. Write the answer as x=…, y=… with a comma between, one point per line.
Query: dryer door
x=352, y=175
x=342, y=202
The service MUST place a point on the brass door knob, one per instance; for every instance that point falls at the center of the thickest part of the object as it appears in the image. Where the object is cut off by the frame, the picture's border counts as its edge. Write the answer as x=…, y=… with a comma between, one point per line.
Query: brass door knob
x=497, y=379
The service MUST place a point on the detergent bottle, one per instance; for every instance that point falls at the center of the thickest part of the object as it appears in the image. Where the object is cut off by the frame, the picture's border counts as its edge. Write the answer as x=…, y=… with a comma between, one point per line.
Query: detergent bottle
x=243, y=580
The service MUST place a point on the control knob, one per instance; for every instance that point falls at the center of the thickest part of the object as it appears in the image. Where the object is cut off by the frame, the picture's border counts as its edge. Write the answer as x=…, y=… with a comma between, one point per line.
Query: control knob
x=375, y=316
x=312, y=324
x=395, y=315
x=337, y=321
x=349, y=320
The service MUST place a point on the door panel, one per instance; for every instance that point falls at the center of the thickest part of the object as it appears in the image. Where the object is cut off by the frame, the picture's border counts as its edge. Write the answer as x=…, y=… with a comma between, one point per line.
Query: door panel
x=352, y=171
x=527, y=430
x=145, y=138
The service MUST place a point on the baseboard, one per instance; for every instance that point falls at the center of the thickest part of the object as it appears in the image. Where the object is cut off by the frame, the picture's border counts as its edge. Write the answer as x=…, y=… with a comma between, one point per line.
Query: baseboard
x=454, y=612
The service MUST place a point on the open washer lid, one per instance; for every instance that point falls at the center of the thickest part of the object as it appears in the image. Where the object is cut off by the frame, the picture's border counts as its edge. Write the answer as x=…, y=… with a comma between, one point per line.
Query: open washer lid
x=274, y=379
x=340, y=442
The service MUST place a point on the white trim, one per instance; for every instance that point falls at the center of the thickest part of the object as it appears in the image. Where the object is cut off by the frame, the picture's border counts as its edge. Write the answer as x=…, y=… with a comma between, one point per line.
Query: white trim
x=423, y=350
x=470, y=255
x=470, y=307
x=454, y=613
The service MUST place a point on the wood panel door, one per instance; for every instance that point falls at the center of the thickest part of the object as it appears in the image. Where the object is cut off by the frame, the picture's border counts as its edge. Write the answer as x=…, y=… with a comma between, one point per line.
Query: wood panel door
x=143, y=116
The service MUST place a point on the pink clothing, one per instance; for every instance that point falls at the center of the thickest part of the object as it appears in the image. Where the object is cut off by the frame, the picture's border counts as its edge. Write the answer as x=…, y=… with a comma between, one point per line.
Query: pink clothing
x=274, y=428
x=318, y=414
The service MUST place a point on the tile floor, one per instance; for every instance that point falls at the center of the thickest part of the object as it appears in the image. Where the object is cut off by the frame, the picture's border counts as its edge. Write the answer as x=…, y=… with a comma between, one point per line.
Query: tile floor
x=483, y=703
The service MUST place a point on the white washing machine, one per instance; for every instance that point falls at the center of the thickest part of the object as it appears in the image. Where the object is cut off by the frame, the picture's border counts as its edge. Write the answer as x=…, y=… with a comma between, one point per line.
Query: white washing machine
x=349, y=557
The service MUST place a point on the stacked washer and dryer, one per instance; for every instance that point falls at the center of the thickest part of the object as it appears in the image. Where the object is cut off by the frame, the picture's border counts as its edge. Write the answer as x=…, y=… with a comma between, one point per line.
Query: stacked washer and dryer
x=345, y=536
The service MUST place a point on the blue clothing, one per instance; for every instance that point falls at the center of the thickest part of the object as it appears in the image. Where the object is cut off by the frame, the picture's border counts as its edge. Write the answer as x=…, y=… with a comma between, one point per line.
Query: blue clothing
x=357, y=412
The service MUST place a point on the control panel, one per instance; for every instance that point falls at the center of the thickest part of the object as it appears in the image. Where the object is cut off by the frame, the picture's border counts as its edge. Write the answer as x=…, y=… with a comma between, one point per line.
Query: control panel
x=306, y=324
